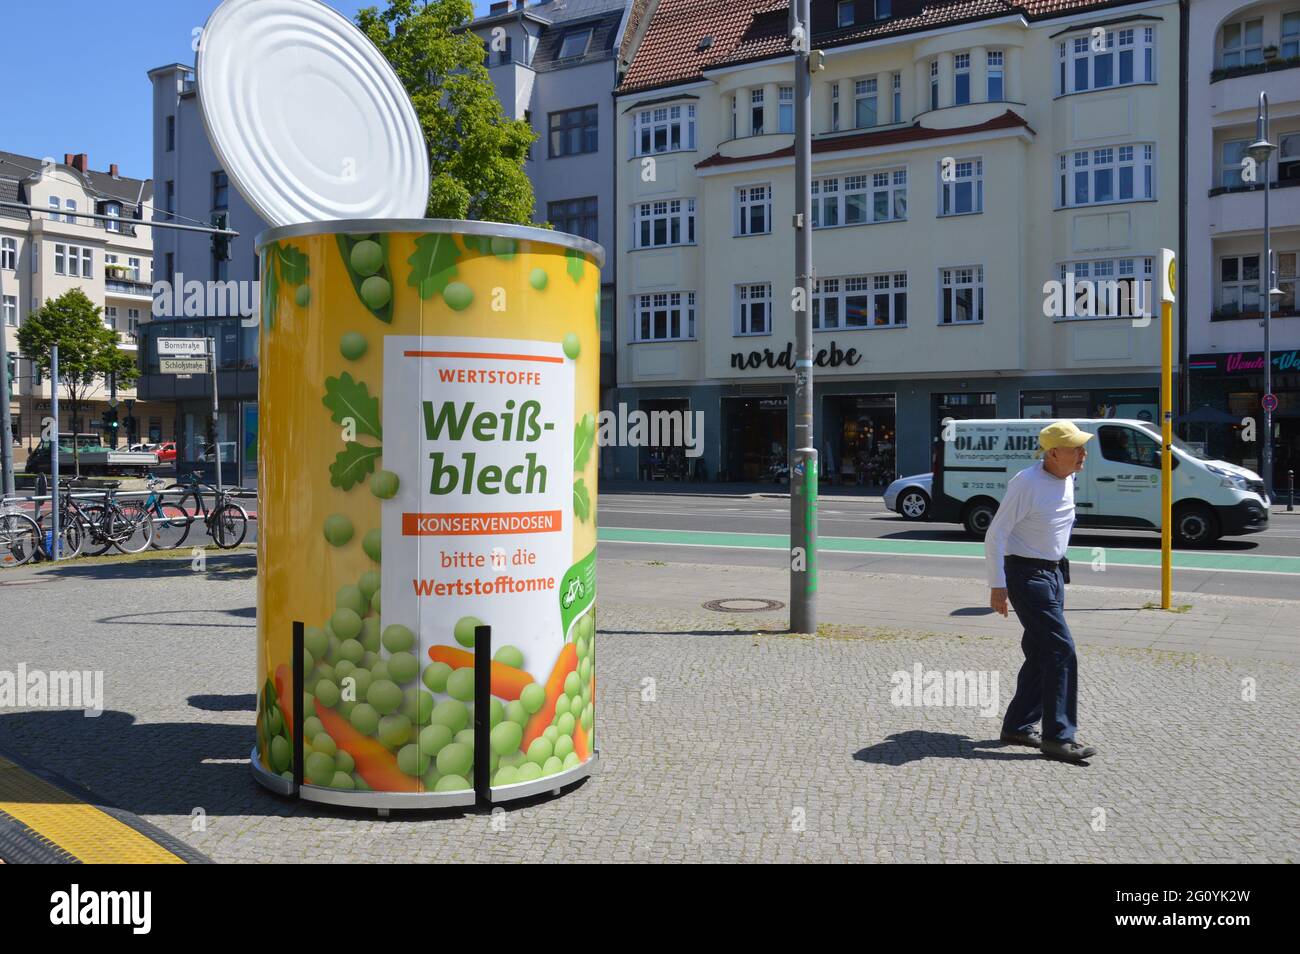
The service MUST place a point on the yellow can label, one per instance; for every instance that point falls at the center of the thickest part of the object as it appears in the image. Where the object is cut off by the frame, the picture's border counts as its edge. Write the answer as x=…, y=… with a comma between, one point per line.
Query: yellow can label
x=427, y=466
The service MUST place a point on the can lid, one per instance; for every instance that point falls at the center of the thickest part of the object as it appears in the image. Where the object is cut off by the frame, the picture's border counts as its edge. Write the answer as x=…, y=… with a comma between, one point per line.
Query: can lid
x=307, y=117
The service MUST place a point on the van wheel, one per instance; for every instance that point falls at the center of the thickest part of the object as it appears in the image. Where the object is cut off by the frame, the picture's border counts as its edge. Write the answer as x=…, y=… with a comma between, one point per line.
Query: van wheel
x=978, y=517
x=1195, y=525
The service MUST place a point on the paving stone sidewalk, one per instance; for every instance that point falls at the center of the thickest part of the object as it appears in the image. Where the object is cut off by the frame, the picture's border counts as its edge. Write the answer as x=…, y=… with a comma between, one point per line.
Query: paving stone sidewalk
x=722, y=739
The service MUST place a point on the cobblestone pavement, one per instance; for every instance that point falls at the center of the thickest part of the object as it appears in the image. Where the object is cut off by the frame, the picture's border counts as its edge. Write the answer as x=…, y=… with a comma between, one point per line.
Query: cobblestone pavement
x=721, y=739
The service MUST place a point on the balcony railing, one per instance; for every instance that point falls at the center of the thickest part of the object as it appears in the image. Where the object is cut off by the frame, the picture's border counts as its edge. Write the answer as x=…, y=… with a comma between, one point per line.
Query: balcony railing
x=125, y=286
x=1254, y=187
x=1252, y=68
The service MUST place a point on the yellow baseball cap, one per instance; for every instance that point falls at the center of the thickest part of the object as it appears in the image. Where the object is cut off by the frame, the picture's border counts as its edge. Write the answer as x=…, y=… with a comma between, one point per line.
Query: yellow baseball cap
x=1060, y=434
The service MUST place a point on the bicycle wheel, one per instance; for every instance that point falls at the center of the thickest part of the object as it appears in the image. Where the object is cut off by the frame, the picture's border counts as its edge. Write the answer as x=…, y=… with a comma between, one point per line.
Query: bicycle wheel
x=171, y=525
x=130, y=527
x=72, y=536
x=94, y=527
x=20, y=539
x=229, y=524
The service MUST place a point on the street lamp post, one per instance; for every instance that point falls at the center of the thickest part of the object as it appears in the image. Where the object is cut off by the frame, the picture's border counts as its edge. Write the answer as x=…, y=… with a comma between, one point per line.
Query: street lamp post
x=1261, y=150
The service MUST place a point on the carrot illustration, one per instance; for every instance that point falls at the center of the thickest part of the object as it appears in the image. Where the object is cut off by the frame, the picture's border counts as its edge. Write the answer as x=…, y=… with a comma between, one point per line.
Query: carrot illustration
x=507, y=681
x=580, y=746
x=375, y=764
x=540, y=719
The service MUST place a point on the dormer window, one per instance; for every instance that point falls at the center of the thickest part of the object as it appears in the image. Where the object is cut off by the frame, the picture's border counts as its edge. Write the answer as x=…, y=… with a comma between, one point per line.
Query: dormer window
x=575, y=43
x=113, y=209
x=844, y=13
x=883, y=8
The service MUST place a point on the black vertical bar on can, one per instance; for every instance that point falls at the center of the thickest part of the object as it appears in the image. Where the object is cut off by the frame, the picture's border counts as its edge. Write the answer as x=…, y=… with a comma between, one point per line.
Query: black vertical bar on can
x=483, y=713
x=298, y=692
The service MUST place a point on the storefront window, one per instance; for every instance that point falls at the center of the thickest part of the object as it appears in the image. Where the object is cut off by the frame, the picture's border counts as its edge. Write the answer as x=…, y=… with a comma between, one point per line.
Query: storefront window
x=858, y=439
x=755, y=447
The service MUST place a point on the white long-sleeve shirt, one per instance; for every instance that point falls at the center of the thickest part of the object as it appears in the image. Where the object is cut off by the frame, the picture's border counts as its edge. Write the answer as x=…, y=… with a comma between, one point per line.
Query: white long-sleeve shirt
x=1033, y=521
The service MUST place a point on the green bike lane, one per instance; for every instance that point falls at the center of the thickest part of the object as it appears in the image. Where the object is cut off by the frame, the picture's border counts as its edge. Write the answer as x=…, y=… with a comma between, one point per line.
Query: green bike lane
x=1113, y=556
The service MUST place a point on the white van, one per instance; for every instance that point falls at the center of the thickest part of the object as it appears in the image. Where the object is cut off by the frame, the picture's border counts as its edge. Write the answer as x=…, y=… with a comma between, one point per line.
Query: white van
x=1118, y=488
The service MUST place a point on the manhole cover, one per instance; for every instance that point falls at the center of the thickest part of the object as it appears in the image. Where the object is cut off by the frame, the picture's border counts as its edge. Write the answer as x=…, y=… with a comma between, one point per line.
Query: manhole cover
x=743, y=604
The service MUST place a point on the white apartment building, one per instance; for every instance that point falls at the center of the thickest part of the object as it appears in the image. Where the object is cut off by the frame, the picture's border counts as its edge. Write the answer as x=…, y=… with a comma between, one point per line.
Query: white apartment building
x=963, y=155
x=1236, y=51
x=44, y=254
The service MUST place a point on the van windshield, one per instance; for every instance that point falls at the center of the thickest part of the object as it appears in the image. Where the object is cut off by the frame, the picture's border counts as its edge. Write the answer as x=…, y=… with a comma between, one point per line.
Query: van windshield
x=1186, y=448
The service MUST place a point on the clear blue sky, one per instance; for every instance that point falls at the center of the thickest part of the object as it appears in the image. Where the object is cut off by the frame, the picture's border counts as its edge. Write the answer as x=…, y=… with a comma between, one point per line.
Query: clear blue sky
x=90, y=93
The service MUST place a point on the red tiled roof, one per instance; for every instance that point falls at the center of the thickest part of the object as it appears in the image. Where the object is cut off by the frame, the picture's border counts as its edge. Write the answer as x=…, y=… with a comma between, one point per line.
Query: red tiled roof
x=866, y=140
x=745, y=30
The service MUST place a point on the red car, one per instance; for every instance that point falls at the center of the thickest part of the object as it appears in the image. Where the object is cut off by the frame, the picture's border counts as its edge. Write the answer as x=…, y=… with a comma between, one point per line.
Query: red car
x=166, y=451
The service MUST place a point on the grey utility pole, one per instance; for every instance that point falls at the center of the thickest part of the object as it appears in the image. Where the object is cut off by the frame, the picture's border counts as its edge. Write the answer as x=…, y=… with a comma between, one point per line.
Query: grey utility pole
x=56, y=544
x=216, y=414
x=6, y=424
x=803, y=472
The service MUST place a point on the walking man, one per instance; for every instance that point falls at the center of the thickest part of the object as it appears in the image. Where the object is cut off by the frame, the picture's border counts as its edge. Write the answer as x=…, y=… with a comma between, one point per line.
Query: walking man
x=1024, y=551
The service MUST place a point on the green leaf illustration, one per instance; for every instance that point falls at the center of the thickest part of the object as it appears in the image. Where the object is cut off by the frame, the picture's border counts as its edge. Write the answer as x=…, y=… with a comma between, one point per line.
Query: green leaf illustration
x=575, y=265
x=582, y=441
x=294, y=265
x=348, y=398
x=433, y=263
x=581, y=500
x=353, y=464
x=270, y=286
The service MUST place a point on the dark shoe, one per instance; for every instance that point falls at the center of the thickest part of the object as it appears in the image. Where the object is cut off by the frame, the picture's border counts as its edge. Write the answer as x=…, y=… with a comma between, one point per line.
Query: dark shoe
x=1031, y=739
x=1067, y=751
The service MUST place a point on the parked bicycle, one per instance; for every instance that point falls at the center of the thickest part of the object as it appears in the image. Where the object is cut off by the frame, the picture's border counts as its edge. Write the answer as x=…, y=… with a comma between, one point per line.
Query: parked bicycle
x=20, y=538
x=95, y=527
x=226, y=522
x=171, y=520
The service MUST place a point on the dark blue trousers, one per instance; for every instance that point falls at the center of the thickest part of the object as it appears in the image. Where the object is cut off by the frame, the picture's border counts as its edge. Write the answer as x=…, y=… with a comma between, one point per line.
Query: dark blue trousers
x=1048, y=685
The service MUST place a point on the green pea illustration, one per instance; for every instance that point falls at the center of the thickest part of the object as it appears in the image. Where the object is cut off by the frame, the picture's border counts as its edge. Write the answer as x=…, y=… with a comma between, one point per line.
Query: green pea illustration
x=385, y=696
x=460, y=684
x=451, y=713
x=314, y=638
x=435, y=676
x=369, y=583
x=281, y=754
x=369, y=635
x=302, y=296
x=370, y=543
x=532, y=698
x=352, y=345
x=367, y=258
x=338, y=530
x=464, y=630
x=506, y=737
x=505, y=776
x=411, y=761
x=365, y=719
x=342, y=780
x=398, y=638
x=455, y=759
x=552, y=766
x=458, y=295
x=515, y=712
x=528, y=772
x=349, y=596
x=319, y=768
x=324, y=742
x=504, y=247
x=344, y=762
x=510, y=655
x=563, y=746
x=451, y=783
x=433, y=738
x=538, y=278
x=376, y=292
x=572, y=346
x=384, y=484
x=403, y=667
x=540, y=750
x=327, y=693
x=394, y=730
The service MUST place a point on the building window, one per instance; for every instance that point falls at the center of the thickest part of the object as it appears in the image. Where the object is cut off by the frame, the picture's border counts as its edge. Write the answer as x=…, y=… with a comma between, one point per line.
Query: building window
x=1286, y=280
x=663, y=316
x=1290, y=35
x=844, y=13
x=55, y=204
x=220, y=190
x=11, y=311
x=934, y=84
x=897, y=115
x=169, y=266
x=133, y=321
x=964, y=194
x=1233, y=152
x=860, y=301
x=73, y=261
x=860, y=198
x=113, y=209
x=574, y=131
x=134, y=265
x=1239, y=285
x=961, y=293
x=996, y=87
x=754, y=309
x=1111, y=174
x=87, y=262
x=503, y=56
x=835, y=107
x=171, y=133
x=785, y=114
x=9, y=253
x=753, y=210
x=665, y=129
x=575, y=216
x=110, y=317
x=756, y=112
x=733, y=115
x=1116, y=284
x=169, y=196
x=961, y=79
x=883, y=8
x=575, y=43
x=864, y=103
x=1122, y=58
x=665, y=222
x=1243, y=44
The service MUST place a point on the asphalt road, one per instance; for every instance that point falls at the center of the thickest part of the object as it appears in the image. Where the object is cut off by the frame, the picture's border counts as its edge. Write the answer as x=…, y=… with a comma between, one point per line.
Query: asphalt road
x=747, y=531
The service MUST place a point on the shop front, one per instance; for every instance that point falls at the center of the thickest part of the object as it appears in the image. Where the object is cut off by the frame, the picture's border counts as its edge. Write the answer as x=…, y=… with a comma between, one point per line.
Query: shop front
x=1140, y=404
x=1234, y=382
x=755, y=444
x=858, y=444
x=667, y=459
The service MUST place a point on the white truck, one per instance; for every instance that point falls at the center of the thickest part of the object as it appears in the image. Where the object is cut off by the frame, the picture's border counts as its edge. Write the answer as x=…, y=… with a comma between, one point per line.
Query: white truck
x=95, y=458
x=1118, y=488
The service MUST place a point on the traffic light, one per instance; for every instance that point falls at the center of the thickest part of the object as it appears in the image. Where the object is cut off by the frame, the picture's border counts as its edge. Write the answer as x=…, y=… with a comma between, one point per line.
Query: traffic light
x=110, y=427
x=221, y=243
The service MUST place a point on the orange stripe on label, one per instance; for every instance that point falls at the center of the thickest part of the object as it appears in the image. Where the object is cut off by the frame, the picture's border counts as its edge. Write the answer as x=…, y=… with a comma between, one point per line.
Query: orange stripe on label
x=474, y=524
x=483, y=354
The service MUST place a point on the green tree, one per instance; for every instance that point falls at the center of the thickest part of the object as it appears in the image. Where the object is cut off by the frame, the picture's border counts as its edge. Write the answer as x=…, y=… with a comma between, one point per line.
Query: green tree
x=88, y=350
x=476, y=153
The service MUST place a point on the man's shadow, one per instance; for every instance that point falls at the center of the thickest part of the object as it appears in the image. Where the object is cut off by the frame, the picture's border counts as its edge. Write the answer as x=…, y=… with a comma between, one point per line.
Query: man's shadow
x=914, y=745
